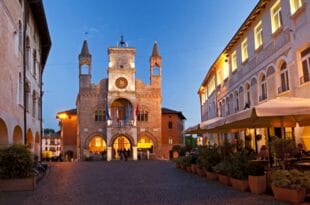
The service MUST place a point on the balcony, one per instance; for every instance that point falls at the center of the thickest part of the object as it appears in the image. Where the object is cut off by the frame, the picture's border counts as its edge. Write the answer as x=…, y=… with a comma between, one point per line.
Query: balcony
x=304, y=79
x=121, y=123
x=282, y=89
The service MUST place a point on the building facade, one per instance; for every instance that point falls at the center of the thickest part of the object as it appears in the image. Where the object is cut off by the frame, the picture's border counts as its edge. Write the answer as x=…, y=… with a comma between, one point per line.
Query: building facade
x=266, y=64
x=25, y=44
x=120, y=113
x=51, y=146
x=172, y=130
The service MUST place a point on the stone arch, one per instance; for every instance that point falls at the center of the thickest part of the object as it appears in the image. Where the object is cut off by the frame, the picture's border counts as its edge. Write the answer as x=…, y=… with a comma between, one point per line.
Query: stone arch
x=240, y=89
x=121, y=111
x=270, y=71
x=95, y=142
x=150, y=135
x=68, y=156
x=132, y=141
x=122, y=145
x=30, y=139
x=17, y=135
x=4, y=136
x=253, y=81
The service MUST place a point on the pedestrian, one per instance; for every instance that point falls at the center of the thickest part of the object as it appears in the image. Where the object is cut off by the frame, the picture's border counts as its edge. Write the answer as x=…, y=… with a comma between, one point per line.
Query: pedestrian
x=147, y=154
x=125, y=154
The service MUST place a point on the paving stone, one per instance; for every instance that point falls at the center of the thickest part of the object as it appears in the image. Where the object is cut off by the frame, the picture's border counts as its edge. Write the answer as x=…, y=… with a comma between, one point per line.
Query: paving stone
x=129, y=183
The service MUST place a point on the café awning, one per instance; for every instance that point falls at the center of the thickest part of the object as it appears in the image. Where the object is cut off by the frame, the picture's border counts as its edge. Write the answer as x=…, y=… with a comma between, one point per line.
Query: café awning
x=204, y=126
x=278, y=112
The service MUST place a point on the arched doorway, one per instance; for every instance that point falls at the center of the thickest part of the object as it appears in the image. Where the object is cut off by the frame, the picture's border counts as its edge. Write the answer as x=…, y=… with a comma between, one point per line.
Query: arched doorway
x=97, y=148
x=4, y=137
x=30, y=140
x=17, y=135
x=121, y=147
x=69, y=156
x=145, y=147
x=121, y=113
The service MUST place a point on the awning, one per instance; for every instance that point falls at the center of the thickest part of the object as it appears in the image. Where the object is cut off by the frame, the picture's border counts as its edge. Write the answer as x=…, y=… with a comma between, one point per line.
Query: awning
x=204, y=126
x=194, y=130
x=278, y=112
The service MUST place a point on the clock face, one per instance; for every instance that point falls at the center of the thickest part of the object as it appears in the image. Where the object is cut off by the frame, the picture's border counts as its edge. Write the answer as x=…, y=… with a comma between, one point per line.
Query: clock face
x=121, y=82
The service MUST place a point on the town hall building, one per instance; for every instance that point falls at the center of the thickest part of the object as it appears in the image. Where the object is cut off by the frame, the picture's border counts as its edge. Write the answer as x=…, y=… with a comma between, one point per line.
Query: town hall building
x=120, y=113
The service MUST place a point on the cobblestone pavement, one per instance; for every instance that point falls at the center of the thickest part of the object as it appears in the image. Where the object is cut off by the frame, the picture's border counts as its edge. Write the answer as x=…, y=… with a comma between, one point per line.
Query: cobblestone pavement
x=132, y=183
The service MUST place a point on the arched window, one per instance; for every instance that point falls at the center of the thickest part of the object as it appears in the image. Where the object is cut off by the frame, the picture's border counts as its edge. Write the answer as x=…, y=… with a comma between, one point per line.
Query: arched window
x=20, y=34
x=263, y=88
x=284, y=78
x=247, y=96
x=170, y=124
x=34, y=103
x=305, y=59
x=27, y=90
x=227, y=106
x=236, y=101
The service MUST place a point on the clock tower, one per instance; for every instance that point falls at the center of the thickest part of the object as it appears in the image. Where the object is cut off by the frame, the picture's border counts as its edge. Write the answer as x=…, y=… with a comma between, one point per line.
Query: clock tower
x=121, y=68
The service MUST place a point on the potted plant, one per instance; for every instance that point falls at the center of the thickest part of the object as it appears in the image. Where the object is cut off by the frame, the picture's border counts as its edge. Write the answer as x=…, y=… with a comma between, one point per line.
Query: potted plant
x=223, y=170
x=257, y=177
x=290, y=185
x=16, y=169
x=239, y=170
x=283, y=148
x=210, y=159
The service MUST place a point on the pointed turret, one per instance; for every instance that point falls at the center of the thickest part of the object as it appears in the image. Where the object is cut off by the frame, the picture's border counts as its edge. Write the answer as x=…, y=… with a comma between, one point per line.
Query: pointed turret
x=155, y=50
x=85, y=51
x=155, y=59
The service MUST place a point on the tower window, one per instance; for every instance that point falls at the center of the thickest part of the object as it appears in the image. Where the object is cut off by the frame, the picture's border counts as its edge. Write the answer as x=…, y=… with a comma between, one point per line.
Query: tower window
x=85, y=70
x=156, y=71
x=170, y=124
x=99, y=115
x=143, y=116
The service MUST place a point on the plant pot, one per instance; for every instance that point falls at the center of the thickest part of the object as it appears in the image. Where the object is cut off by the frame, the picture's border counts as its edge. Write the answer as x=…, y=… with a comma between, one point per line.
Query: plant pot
x=200, y=171
x=223, y=179
x=239, y=184
x=257, y=184
x=189, y=169
x=211, y=176
x=193, y=168
x=290, y=195
x=18, y=184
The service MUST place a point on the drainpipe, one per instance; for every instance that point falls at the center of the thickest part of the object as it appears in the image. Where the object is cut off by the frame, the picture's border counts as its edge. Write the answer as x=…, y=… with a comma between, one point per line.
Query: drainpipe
x=26, y=13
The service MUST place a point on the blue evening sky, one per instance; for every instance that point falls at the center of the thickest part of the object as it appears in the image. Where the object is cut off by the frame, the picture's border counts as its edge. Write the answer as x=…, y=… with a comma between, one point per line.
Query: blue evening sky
x=190, y=35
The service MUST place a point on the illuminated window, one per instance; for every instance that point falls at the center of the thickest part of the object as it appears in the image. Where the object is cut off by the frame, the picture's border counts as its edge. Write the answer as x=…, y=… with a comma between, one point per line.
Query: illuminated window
x=226, y=70
x=258, y=35
x=211, y=86
x=170, y=141
x=263, y=85
x=143, y=116
x=244, y=50
x=99, y=115
x=234, y=61
x=284, y=79
x=305, y=59
x=295, y=5
x=276, y=19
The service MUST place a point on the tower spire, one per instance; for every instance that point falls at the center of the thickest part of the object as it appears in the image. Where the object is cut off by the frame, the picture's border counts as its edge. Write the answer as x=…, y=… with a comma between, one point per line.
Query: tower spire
x=85, y=51
x=155, y=52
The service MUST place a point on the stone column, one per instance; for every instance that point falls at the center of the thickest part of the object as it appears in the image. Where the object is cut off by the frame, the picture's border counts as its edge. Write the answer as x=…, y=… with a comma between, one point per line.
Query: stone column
x=109, y=153
x=135, y=153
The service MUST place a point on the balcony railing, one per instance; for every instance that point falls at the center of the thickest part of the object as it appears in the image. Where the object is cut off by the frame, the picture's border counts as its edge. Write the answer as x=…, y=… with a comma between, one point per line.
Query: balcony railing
x=304, y=79
x=121, y=123
x=282, y=89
